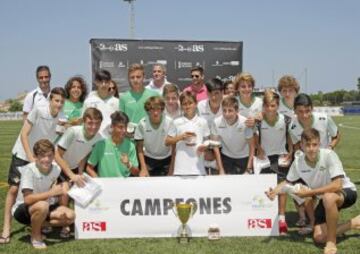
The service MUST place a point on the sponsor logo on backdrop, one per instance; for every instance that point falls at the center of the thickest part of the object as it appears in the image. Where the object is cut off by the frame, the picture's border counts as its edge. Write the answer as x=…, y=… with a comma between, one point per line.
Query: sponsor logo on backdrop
x=151, y=47
x=181, y=65
x=104, y=64
x=190, y=48
x=152, y=62
x=91, y=226
x=225, y=48
x=122, y=47
x=121, y=65
x=259, y=223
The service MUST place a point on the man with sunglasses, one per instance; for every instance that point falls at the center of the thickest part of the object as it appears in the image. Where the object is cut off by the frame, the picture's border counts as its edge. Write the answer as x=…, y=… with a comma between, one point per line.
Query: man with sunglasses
x=197, y=87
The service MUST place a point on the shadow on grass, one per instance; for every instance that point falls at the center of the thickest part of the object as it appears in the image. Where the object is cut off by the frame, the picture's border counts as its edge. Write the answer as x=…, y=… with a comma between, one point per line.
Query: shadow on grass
x=52, y=238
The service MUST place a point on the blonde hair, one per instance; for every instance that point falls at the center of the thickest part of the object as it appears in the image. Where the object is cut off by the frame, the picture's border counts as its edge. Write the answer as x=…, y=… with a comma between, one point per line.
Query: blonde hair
x=288, y=81
x=243, y=77
x=136, y=67
x=270, y=96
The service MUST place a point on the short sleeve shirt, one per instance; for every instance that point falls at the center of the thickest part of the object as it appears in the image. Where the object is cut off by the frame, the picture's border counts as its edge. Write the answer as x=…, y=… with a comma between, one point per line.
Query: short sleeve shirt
x=132, y=104
x=106, y=155
x=76, y=146
x=234, y=138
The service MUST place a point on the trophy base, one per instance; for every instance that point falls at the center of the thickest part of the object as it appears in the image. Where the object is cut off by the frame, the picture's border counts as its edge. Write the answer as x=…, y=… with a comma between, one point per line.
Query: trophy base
x=183, y=239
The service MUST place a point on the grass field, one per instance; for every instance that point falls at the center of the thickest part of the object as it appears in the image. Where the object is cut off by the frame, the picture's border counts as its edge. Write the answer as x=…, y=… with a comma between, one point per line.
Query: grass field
x=348, y=150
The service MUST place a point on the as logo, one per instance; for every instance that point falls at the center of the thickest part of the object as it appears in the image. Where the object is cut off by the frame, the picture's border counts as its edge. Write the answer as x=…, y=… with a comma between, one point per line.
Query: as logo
x=99, y=226
x=198, y=48
x=259, y=223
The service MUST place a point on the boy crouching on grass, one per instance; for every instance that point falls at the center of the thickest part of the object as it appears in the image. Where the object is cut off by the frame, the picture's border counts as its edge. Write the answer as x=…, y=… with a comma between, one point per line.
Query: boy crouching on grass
x=322, y=171
x=35, y=203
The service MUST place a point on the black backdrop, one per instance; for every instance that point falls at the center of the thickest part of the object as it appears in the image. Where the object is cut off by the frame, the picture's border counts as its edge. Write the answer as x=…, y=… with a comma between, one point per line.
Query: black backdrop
x=220, y=59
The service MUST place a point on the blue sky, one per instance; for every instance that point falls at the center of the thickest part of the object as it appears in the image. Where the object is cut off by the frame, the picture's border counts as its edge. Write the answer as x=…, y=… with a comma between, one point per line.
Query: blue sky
x=280, y=36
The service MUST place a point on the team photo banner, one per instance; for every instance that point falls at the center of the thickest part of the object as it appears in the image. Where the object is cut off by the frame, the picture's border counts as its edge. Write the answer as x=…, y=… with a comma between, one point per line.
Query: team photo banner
x=143, y=207
x=222, y=59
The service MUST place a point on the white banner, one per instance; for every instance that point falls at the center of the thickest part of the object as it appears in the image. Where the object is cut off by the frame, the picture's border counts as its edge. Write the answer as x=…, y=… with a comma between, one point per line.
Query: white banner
x=141, y=207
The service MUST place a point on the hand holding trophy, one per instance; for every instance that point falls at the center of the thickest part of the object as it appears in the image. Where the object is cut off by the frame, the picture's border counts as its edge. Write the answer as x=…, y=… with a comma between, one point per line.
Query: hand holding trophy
x=184, y=211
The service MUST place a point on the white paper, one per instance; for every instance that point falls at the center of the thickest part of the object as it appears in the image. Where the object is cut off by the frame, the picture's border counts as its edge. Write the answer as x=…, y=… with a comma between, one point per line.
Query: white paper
x=260, y=164
x=84, y=195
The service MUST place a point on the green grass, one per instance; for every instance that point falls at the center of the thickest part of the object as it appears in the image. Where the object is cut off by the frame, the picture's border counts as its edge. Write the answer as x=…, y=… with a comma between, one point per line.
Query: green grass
x=348, y=150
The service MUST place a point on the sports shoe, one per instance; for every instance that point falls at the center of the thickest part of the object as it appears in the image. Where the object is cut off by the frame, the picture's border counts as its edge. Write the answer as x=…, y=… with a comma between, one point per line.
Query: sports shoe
x=283, y=228
x=40, y=245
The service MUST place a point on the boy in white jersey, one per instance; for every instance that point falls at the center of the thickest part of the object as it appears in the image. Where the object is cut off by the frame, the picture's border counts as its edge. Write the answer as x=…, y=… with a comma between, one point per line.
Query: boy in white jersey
x=172, y=104
x=41, y=122
x=188, y=133
x=209, y=109
x=249, y=105
x=154, y=156
x=306, y=119
x=237, y=140
x=322, y=171
x=102, y=100
x=34, y=203
x=272, y=140
x=76, y=144
x=288, y=88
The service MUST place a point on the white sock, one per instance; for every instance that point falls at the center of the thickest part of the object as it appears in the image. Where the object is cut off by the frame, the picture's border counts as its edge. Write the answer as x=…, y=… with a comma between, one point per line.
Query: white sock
x=281, y=217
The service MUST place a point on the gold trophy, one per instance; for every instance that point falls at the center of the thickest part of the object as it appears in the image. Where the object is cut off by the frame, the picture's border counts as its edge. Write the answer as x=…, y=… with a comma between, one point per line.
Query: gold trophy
x=184, y=211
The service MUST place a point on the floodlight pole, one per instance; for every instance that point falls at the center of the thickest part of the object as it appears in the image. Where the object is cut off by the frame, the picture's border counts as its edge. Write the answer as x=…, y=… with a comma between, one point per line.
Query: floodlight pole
x=132, y=18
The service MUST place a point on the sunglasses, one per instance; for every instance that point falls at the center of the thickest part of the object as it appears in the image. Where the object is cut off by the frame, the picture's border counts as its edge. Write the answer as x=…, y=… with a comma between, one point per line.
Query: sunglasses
x=195, y=76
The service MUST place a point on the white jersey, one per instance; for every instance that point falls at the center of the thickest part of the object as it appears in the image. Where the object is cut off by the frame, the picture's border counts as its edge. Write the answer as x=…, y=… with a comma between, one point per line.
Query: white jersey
x=33, y=179
x=205, y=112
x=321, y=122
x=43, y=126
x=254, y=109
x=34, y=99
x=285, y=109
x=154, y=139
x=327, y=167
x=273, y=137
x=178, y=113
x=153, y=87
x=76, y=146
x=234, y=138
x=187, y=161
x=106, y=106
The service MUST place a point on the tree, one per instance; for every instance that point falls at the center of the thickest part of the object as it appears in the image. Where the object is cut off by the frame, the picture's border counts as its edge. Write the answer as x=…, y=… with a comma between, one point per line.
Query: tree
x=358, y=84
x=15, y=106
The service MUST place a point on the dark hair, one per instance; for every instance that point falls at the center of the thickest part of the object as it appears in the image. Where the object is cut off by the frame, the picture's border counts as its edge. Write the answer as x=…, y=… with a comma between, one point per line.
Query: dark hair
x=83, y=85
x=43, y=68
x=119, y=117
x=42, y=147
x=116, y=88
x=58, y=91
x=230, y=101
x=303, y=100
x=197, y=68
x=310, y=134
x=214, y=84
x=92, y=114
x=102, y=75
x=154, y=101
x=187, y=95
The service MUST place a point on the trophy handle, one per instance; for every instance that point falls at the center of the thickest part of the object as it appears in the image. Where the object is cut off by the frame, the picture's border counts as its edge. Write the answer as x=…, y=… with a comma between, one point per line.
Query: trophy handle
x=173, y=208
x=194, y=208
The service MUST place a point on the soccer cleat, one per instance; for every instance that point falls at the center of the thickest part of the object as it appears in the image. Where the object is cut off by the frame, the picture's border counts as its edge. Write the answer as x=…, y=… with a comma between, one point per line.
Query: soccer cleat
x=283, y=228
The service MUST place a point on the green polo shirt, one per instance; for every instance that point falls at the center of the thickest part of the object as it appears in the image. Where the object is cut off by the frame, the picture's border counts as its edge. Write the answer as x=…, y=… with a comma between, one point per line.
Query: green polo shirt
x=132, y=104
x=72, y=110
x=106, y=155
